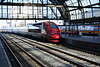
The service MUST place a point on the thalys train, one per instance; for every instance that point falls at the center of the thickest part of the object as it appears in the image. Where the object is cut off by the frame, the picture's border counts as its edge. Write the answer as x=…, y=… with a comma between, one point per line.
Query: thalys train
x=46, y=30
x=86, y=29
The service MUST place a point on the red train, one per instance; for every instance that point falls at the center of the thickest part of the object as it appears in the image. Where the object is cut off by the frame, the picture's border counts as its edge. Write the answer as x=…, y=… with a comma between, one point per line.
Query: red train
x=45, y=30
x=49, y=31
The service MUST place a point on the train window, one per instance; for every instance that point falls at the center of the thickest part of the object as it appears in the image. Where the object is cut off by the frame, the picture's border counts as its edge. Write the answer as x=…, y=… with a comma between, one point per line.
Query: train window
x=53, y=26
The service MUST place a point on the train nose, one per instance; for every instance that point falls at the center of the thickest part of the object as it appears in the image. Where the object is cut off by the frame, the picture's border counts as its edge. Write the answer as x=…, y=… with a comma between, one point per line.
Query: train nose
x=56, y=36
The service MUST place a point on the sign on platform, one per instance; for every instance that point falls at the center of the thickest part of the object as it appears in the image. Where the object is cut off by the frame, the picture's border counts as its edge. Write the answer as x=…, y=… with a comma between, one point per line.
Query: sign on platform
x=99, y=31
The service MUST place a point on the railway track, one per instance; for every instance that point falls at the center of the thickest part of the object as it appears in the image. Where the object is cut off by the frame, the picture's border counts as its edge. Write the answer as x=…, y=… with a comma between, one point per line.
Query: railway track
x=44, y=56
x=63, y=55
x=26, y=60
x=16, y=61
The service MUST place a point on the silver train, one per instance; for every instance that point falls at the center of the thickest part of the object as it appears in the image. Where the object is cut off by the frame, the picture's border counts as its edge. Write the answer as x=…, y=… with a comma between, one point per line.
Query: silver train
x=22, y=30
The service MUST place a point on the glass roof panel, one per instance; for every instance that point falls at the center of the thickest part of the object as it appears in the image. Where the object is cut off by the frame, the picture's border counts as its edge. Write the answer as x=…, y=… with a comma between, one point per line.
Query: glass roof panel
x=94, y=1
x=88, y=12
x=85, y=2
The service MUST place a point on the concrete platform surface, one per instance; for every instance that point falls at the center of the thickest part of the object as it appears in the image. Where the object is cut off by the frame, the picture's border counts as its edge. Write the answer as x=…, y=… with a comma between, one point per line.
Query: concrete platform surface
x=83, y=38
x=4, y=61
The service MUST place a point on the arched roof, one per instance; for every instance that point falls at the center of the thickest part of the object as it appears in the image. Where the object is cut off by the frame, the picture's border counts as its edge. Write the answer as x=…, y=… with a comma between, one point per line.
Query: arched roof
x=72, y=10
x=81, y=9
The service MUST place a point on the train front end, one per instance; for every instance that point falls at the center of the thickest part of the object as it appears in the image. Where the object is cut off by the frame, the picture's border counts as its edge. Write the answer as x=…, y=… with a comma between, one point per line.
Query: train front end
x=55, y=35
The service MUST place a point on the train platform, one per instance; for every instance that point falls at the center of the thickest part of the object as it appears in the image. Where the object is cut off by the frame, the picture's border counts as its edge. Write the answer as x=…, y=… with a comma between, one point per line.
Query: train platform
x=4, y=61
x=83, y=38
x=83, y=41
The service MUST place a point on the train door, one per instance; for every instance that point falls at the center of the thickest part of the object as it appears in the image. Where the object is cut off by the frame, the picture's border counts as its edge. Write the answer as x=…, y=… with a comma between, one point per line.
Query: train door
x=43, y=31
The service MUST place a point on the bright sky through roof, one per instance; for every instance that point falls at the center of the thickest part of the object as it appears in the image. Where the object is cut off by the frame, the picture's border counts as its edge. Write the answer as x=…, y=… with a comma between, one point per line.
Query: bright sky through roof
x=77, y=14
x=24, y=12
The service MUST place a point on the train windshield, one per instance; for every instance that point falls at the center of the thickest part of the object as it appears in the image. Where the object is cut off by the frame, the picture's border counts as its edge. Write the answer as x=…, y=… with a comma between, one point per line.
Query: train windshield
x=53, y=26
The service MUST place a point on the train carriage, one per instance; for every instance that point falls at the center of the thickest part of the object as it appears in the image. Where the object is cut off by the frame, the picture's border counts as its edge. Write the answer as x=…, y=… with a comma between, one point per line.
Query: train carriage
x=45, y=30
x=86, y=29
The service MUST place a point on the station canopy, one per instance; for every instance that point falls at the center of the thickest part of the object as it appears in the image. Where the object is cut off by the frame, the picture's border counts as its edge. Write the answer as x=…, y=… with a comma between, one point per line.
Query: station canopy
x=84, y=10
x=68, y=10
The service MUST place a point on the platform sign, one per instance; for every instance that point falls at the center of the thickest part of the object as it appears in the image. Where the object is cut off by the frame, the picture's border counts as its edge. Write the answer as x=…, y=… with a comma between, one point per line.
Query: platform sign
x=99, y=31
